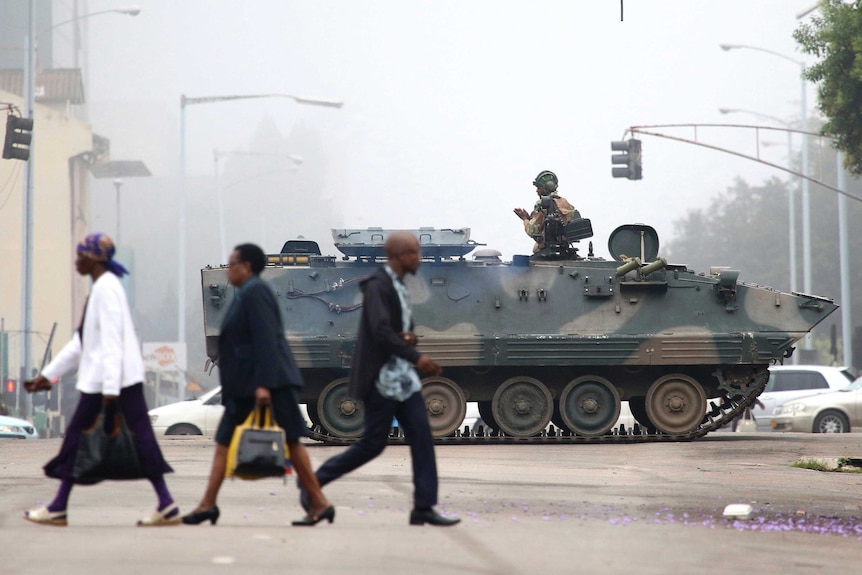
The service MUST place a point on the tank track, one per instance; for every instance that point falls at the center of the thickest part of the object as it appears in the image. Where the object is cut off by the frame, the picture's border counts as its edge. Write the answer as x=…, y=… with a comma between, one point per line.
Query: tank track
x=737, y=397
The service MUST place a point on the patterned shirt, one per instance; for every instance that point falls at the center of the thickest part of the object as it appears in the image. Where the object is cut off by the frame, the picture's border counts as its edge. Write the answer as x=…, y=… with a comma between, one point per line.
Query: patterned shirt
x=398, y=379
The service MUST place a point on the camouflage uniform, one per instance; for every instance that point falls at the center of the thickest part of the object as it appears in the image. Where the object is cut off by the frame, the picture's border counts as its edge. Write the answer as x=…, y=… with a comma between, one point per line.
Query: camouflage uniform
x=535, y=225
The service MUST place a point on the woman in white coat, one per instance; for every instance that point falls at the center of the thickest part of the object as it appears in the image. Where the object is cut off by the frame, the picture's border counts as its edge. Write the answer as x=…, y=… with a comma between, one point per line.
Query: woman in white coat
x=106, y=353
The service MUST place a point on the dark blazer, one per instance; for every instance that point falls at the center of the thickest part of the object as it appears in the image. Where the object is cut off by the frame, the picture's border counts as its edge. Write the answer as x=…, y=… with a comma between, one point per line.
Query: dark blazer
x=378, y=338
x=253, y=351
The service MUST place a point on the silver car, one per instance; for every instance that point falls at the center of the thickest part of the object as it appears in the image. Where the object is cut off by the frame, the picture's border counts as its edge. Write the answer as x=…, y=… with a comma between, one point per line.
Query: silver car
x=787, y=382
x=834, y=412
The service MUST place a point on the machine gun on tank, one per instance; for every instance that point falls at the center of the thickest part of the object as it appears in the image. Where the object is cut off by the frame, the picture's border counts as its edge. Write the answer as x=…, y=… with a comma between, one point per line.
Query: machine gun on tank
x=557, y=235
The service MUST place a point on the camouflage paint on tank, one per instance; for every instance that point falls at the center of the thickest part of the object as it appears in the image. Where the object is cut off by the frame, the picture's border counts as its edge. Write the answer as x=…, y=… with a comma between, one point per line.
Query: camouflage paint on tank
x=552, y=321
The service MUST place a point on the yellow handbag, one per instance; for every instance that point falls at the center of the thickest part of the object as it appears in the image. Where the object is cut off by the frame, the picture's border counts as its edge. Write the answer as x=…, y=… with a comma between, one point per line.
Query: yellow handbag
x=258, y=448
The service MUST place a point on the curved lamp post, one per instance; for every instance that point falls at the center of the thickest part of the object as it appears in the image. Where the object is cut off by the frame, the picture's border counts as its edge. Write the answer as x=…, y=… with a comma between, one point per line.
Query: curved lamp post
x=791, y=224
x=806, y=199
x=188, y=101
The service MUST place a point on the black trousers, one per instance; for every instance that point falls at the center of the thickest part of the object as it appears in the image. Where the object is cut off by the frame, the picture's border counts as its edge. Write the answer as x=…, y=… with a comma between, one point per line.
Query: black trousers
x=413, y=418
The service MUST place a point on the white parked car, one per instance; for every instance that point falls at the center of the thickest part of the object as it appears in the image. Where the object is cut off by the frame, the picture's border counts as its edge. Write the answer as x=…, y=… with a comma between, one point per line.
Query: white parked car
x=787, y=382
x=199, y=416
x=14, y=428
x=191, y=417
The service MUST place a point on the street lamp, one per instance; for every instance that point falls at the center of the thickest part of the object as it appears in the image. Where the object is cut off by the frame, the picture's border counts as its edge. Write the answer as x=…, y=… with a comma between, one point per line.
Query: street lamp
x=806, y=201
x=27, y=199
x=217, y=156
x=128, y=10
x=187, y=101
x=790, y=201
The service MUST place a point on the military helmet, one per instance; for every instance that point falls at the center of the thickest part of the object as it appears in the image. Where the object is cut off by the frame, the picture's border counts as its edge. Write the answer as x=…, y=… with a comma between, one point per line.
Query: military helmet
x=547, y=181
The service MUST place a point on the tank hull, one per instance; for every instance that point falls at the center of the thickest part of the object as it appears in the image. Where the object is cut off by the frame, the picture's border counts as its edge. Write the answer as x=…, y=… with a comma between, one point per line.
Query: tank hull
x=548, y=333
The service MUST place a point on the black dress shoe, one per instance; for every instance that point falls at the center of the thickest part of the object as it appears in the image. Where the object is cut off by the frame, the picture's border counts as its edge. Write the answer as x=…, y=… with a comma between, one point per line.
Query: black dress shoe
x=431, y=517
x=310, y=520
x=197, y=517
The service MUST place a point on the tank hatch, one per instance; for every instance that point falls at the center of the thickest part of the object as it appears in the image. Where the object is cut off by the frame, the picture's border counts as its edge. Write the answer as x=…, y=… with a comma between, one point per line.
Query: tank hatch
x=634, y=240
x=435, y=243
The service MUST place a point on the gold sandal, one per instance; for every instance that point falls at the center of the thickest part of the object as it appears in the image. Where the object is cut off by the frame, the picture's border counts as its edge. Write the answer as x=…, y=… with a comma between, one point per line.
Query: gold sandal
x=170, y=515
x=43, y=516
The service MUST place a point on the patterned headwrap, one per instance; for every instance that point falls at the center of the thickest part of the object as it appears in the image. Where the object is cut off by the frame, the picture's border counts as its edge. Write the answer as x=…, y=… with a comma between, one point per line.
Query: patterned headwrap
x=100, y=247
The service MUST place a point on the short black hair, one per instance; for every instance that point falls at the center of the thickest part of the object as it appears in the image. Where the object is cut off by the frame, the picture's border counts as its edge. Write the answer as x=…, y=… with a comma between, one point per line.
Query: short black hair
x=252, y=254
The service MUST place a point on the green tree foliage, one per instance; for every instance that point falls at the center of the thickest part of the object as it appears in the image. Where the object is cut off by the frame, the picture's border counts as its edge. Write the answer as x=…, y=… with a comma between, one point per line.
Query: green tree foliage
x=835, y=37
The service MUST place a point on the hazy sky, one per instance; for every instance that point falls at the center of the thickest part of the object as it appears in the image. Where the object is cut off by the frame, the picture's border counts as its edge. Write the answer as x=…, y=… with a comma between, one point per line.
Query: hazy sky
x=452, y=107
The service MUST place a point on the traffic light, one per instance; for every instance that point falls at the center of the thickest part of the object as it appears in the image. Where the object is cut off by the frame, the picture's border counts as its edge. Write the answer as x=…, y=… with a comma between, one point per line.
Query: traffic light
x=631, y=157
x=19, y=133
x=9, y=389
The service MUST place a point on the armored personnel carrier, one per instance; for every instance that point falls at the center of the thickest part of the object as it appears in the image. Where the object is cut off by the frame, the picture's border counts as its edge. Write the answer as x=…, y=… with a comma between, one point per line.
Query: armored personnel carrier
x=553, y=337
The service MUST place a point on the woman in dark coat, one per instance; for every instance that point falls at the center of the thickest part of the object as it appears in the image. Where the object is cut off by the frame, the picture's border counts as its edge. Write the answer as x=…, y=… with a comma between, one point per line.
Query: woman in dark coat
x=257, y=368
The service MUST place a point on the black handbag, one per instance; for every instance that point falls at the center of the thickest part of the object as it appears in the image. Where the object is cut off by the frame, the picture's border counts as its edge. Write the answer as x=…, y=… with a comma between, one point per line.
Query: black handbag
x=107, y=453
x=259, y=447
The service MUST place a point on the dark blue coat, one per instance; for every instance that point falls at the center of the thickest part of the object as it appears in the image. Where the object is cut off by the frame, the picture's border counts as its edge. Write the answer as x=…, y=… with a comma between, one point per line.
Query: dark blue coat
x=378, y=338
x=253, y=351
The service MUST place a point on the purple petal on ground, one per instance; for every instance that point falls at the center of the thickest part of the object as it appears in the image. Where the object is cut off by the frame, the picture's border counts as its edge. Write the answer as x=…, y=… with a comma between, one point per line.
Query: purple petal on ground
x=360, y=512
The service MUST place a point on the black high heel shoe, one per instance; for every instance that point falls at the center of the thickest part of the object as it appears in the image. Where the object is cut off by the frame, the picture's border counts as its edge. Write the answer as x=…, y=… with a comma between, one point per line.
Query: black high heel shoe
x=198, y=517
x=310, y=520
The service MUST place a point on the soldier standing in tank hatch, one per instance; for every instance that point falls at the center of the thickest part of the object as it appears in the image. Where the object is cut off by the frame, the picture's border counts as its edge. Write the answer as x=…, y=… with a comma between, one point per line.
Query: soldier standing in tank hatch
x=534, y=222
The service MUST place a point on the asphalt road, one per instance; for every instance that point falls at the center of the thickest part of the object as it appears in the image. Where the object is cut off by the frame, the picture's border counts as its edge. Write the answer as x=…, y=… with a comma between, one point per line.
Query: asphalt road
x=645, y=509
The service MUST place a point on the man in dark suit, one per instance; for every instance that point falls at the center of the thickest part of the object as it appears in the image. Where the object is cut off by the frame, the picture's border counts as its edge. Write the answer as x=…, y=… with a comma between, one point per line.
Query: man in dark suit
x=256, y=367
x=383, y=376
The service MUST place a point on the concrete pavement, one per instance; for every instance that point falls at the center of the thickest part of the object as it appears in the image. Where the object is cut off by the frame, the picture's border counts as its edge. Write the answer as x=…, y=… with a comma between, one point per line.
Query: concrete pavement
x=645, y=509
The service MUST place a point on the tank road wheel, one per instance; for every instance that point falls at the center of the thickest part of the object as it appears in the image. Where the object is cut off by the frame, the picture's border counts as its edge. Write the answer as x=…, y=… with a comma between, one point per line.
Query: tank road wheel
x=637, y=405
x=339, y=414
x=522, y=406
x=590, y=405
x=675, y=403
x=445, y=403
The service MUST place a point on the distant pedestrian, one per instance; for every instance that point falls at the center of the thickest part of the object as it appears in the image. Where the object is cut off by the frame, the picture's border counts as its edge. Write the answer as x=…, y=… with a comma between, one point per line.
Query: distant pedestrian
x=746, y=414
x=256, y=367
x=106, y=352
x=383, y=376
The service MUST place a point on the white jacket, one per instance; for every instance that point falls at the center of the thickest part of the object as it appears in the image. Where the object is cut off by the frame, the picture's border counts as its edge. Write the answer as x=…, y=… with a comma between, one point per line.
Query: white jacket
x=110, y=358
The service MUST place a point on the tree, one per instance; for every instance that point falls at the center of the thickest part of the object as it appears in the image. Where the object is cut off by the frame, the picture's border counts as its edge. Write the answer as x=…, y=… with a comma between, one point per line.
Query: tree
x=836, y=38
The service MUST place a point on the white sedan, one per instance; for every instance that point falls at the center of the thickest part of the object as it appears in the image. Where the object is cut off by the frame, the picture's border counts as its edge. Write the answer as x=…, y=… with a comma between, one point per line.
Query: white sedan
x=199, y=416
x=14, y=428
x=191, y=417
